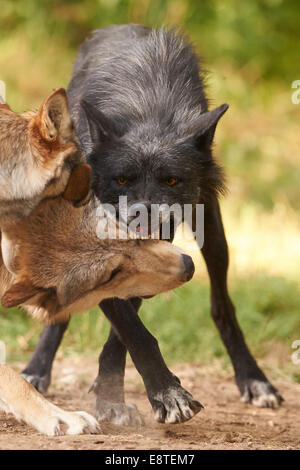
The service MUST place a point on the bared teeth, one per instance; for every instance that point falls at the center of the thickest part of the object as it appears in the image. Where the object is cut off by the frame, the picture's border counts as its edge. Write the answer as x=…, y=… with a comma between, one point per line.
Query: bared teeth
x=141, y=235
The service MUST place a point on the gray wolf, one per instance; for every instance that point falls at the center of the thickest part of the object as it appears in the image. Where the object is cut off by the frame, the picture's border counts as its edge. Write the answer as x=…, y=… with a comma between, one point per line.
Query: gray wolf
x=53, y=272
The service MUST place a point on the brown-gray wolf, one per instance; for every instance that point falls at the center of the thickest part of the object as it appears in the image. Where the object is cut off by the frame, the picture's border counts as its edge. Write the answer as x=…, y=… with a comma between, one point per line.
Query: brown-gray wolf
x=53, y=262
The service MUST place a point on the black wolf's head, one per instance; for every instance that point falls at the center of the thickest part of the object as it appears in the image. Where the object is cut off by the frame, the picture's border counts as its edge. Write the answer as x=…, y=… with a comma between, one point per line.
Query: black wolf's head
x=144, y=121
x=154, y=164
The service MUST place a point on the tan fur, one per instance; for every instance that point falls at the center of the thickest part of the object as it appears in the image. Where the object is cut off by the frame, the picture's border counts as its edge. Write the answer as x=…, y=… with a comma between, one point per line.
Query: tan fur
x=21, y=399
x=37, y=153
x=62, y=267
x=78, y=188
x=52, y=261
x=68, y=268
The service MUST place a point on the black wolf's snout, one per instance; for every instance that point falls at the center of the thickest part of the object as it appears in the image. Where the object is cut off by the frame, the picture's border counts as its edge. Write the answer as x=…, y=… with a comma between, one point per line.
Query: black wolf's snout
x=141, y=210
x=140, y=207
x=188, y=268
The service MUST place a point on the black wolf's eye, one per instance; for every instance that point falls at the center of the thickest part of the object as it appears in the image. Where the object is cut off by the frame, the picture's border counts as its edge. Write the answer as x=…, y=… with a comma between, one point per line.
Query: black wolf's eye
x=122, y=180
x=171, y=181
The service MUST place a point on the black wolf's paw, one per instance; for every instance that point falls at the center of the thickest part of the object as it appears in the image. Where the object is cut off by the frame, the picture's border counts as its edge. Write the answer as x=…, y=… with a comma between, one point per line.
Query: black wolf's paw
x=174, y=405
x=41, y=383
x=260, y=393
x=120, y=414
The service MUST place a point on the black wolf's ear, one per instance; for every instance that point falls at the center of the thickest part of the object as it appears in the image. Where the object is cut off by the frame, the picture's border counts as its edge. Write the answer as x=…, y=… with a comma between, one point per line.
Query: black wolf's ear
x=207, y=125
x=99, y=128
x=18, y=293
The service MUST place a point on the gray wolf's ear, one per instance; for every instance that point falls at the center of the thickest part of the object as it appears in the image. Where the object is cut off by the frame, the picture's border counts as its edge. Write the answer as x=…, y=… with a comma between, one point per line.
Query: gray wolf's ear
x=53, y=116
x=3, y=104
x=207, y=124
x=99, y=128
x=18, y=293
x=78, y=189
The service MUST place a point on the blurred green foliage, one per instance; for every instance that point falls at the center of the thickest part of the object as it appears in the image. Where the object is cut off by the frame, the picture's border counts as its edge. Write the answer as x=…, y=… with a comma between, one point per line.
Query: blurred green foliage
x=267, y=309
x=264, y=32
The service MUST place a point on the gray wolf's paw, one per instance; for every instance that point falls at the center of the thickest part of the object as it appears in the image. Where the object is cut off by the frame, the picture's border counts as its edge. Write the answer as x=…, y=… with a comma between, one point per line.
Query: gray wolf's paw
x=40, y=383
x=66, y=422
x=120, y=414
x=261, y=393
x=174, y=405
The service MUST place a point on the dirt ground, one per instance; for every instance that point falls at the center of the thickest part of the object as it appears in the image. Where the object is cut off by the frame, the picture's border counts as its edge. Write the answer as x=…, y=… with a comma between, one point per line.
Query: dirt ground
x=225, y=423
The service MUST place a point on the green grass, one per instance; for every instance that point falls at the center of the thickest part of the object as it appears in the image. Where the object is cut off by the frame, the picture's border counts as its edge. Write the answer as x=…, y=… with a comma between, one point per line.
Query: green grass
x=268, y=311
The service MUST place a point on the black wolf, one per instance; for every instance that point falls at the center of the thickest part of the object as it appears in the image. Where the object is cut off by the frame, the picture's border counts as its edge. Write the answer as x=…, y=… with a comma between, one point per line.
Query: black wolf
x=138, y=103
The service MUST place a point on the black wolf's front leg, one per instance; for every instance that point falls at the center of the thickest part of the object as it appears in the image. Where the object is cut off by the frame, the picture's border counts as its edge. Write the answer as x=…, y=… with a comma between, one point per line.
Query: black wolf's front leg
x=38, y=371
x=170, y=402
x=109, y=384
x=251, y=381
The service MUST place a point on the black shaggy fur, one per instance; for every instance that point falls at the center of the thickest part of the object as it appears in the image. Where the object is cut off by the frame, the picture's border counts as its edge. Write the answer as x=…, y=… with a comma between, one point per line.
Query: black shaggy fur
x=147, y=97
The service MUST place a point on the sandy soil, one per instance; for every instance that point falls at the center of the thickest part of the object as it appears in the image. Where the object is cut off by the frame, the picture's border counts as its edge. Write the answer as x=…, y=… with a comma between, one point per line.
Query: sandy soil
x=225, y=423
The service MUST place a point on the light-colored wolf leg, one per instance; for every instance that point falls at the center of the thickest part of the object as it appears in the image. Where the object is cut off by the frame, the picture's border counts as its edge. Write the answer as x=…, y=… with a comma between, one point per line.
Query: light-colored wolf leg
x=21, y=399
